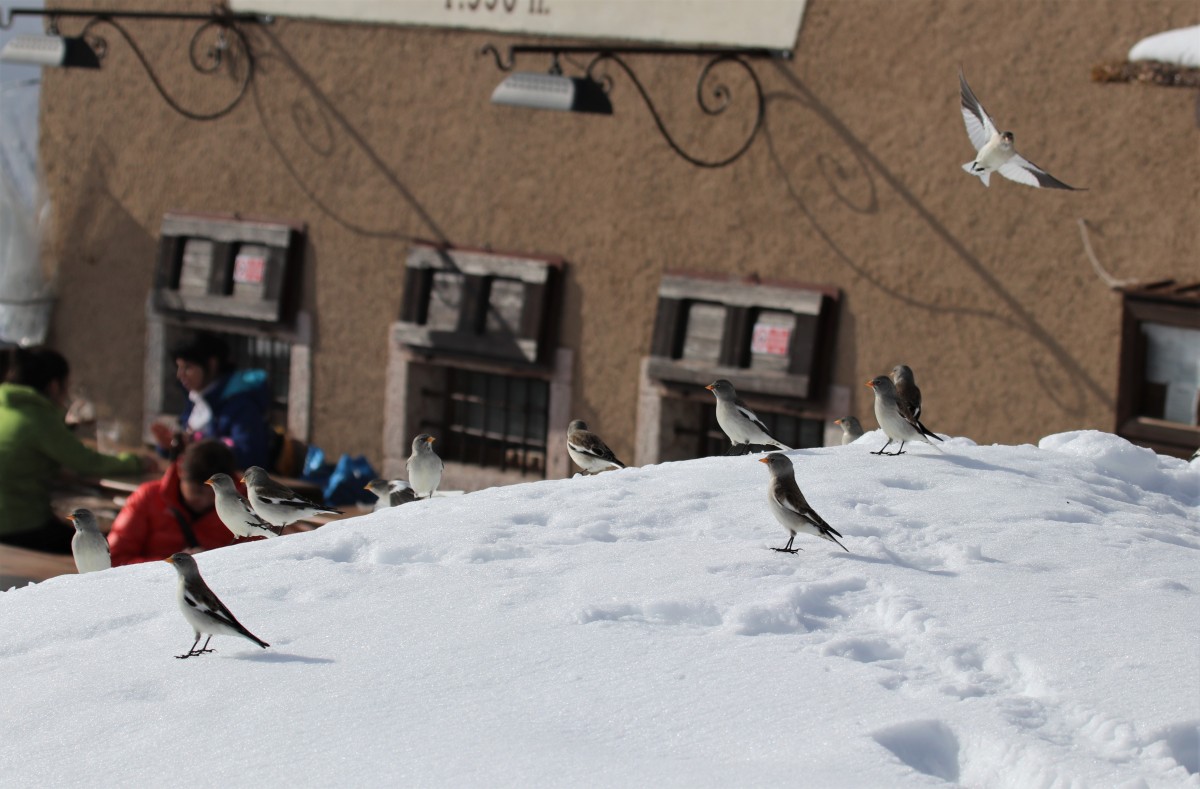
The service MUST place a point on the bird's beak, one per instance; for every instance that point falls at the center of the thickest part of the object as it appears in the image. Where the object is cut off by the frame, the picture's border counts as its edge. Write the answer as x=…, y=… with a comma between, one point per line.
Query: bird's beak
x=709, y=387
x=871, y=384
x=366, y=487
x=169, y=560
x=71, y=518
x=430, y=440
x=837, y=421
x=208, y=482
x=763, y=460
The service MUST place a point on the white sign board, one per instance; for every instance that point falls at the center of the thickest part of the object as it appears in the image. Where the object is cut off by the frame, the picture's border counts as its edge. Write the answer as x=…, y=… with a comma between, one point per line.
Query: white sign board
x=770, y=24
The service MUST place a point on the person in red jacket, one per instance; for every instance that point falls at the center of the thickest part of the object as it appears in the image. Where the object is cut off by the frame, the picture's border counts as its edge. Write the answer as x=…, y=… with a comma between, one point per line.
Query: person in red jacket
x=174, y=513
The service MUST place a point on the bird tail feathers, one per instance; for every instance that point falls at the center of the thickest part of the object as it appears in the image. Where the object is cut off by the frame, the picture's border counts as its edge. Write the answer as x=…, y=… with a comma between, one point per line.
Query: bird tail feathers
x=983, y=176
x=926, y=431
x=829, y=536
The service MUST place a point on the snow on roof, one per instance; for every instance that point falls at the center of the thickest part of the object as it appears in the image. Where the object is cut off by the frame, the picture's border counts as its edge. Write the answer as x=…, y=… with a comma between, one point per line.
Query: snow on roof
x=1181, y=47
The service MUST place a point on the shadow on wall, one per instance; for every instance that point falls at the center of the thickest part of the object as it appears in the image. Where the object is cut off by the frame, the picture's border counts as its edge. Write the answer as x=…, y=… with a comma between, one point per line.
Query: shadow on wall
x=859, y=191
x=321, y=149
x=106, y=356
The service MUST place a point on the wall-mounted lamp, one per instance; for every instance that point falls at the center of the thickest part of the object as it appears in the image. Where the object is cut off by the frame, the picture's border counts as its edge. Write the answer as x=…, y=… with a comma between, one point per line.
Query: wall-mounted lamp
x=586, y=93
x=220, y=29
x=552, y=92
x=50, y=51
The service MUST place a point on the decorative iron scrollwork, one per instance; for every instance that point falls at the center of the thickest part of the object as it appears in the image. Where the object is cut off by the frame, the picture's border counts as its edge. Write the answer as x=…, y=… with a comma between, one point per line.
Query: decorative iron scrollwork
x=713, y=97
x=218, y=41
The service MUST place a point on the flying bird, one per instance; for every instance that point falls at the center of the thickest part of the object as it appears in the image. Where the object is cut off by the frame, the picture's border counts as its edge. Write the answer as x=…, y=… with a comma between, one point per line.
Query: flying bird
x=234, y=511
x=88, y=546
x=202, y=609
x=995, y=151
x=588, y=450
x=736, y=419
x=390, y=493
x=424, y=466
x=896, y=423
x=278, y=504
x=789, y=506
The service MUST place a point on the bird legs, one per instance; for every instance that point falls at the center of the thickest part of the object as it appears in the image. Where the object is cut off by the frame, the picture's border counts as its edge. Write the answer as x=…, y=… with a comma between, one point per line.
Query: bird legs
x=888, y=444
x=788, y=548
x=193, y=652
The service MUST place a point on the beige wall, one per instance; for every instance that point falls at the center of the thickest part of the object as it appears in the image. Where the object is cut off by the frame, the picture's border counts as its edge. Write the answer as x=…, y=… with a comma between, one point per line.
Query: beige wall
x=378, y=136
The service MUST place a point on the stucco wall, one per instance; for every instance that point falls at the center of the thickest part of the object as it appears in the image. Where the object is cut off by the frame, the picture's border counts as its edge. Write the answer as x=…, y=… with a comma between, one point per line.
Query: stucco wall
x=377, y=136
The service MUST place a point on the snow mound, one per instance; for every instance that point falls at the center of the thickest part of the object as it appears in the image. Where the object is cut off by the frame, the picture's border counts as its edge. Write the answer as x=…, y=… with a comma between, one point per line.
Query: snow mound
x=1118, y=459
x=1006, y=617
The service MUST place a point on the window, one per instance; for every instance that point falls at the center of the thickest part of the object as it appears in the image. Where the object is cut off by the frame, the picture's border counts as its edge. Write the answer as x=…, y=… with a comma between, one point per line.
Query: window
x=227, y=268
x=471, y=303
x=774, y=341
x=237, y=278
x=1158, y=399
x=492, y=420
x=773, y=338
x=472, y=361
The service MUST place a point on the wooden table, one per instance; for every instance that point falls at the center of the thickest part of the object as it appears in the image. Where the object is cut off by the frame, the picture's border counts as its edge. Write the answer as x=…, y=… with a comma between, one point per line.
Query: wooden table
x=126, y=485
x=19, y=566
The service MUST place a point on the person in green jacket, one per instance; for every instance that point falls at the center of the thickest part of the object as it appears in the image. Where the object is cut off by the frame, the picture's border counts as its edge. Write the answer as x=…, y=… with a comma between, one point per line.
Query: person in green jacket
x=35, y=443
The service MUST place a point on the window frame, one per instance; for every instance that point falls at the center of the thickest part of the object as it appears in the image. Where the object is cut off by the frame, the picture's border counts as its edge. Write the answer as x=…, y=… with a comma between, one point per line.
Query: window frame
x=468, y=341
x=814, y=333
x=1167, y=304
x=803, y=389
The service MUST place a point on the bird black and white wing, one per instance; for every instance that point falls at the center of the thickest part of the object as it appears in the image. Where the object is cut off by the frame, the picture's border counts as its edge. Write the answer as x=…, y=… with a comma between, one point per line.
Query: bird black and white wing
x=1023, y=171
x=207, y=604
x=745, y=411
x=980, y=127
x=590, y=444
x=255, y=521
x=793, y=500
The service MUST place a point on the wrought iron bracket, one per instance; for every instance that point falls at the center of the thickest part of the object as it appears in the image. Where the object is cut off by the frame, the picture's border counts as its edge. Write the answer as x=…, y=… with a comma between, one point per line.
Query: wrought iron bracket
x=714, y=97
x=222, y=30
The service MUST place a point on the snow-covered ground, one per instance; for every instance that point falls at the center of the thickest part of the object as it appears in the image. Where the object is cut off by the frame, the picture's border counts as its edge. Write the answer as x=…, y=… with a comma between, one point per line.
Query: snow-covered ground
x=1007, y=617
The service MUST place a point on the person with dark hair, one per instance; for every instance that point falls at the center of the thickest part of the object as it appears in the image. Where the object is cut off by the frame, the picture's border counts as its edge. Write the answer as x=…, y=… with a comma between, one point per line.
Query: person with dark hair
x=223, y=402
x=35, y=443
x=175, y=513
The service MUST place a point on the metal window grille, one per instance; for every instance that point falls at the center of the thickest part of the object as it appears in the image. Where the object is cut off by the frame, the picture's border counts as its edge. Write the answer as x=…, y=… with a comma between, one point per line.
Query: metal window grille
x=497, y=421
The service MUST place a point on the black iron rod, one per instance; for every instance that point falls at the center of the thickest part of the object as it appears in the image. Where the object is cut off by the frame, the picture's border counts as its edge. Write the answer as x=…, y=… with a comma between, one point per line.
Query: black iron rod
x=158, y=15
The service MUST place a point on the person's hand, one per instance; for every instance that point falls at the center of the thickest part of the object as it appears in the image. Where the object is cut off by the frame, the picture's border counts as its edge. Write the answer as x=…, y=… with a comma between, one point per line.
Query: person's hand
x=162, y=434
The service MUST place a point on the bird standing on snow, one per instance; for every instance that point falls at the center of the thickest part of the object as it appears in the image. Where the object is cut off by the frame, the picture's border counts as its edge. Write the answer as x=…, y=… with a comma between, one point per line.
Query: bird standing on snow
x=737, y=421
x=588, y=450
x=995, y=148
x=424, y=467
x=851, y=429
x=390, y=493
x=897, y=425
x=88, y=546
x=278, y=504
x=235, y=512
x=789, y=506
x=203, y=610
